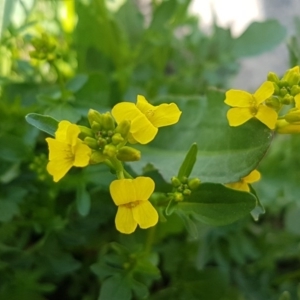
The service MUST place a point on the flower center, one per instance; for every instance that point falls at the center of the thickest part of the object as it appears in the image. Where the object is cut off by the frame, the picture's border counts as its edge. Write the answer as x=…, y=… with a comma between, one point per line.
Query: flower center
x=149, y=113
x=132, y=204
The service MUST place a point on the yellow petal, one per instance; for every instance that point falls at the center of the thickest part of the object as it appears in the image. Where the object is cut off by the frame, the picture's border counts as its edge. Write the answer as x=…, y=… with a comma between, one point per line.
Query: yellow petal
x=267, y=115
x=265, y=91
x=144, y=187
x=237, y=98
x=145, y=214
x=165, y=115
x=125, y=111
x=143, y=105
x=142, y=130
x=72, y=134
x=238, y=116
x=58, y=150
x=59, y=168
x=252, y=177
x=122, y=191
x=61, y=131
x=240, y=186
x=282, y=126
x=297, y=101
x=82, y=155
x=124, y=220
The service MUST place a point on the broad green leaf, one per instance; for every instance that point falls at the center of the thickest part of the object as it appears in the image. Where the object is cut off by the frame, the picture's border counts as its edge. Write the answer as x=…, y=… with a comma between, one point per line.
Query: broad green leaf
x=115, y=288
x=83, y=200
x=259, y=37
x=214, y=204
x=63, y=111
x=225, y=154
x=43, y=123
x=188, y=163
x=76, y=83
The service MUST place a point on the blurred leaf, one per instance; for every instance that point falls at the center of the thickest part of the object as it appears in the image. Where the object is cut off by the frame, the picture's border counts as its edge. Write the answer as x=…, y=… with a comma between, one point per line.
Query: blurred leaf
x=115, y=288
x=215, y=204
x=259, y=208
x=43, y=123
x=76, y=83
x=63, y=111
x=6, y=11
x=8, y=209
x=83, y=200
x=225, y=154
x=259, y=37
x=291, y=219
x=188, y=163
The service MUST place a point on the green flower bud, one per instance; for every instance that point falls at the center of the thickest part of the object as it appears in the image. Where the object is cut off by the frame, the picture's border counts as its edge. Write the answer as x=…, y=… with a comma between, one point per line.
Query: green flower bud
x=273, y=77
x=175, y=181
x=283, y=83
x=94, y=116
x=127, y=153
x=292, y=76
x=110, y=150
x=276, y=89
x=178, y=197
x=108, y=121
x=283, y=91
x=293, y=116
x=84, y=132
x=287, y=99
x=187, y=192
x=97, y=157
x=96, y=127
x=91, y=142
x=295, y=90
x=117, y=138
x=273, y=102
x=102, y=142
x=123, y=128
x=194, y=183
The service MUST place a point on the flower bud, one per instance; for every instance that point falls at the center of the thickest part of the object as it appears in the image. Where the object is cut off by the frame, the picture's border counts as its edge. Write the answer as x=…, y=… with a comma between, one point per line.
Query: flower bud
x=273, y=102
x=94, y=116
x=273, y=77
x=193, y=183
x=295, y=90
x=283, y=91
x=123, y=128
x=110, y=150
x=293, y=116
x=187, y=192
x=127, y=153
x=97, y=157
x=96, y=127
x=84, y=132
x=91, y=142
x=117, y=138
x=282, y=126
x=292, y=76
x=175, y=181
x=287, y=99
x=108, y=121
x=178, y=197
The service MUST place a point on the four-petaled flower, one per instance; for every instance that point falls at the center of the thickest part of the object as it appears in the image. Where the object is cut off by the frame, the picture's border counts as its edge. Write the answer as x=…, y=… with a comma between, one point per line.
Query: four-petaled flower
x=131, y=196
x=145, y=118
x=243, y=184
x=66, y=150
x=247, y=106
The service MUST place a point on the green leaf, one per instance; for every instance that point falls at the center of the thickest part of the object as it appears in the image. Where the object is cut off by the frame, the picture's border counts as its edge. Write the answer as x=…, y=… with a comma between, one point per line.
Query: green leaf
x=225, y=154
x=83, y=200
x=6, y=11
x=76, y=83
x=115, y=288
x=259, y=37
x=43, y=123
x=214, y=204
x=259, y=208
x=188, y=163
x=63, y=111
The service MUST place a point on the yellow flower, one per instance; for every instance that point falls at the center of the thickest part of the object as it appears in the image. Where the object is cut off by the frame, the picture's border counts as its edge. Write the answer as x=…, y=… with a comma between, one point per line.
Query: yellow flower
x=145, y=118
x=131, y=196
x=66, y=150
x=247, y=106
x=243, y=184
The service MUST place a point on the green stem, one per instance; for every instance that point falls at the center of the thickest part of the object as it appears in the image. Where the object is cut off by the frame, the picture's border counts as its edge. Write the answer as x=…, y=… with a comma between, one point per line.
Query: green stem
x=150, y=239
x=118, y=167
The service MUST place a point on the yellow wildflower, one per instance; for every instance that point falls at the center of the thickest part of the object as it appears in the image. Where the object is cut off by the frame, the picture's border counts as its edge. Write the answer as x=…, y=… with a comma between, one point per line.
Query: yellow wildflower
x=247, y=106
x=131, y=196
x=145, y=118
x=66, y=150
x=243, y=184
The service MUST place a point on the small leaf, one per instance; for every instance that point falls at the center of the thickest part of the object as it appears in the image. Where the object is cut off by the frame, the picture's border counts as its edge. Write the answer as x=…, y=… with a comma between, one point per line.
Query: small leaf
x=76, y=83
x=259, y=208
x=188, y=163
x=43, y=123
x=115, y=288
x=214, y=204
x=83, y=200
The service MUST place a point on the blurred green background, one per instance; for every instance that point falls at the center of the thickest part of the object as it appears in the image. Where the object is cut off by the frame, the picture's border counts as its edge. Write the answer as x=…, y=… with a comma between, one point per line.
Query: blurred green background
x=58, y=241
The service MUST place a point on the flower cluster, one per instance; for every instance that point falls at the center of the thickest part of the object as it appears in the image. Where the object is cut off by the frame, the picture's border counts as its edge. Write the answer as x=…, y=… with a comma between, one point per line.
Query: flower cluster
x=105, y=141
x=266, y=103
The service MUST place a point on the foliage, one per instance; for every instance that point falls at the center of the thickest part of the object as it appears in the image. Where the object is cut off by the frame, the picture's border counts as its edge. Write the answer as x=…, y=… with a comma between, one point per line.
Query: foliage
x=58, y=240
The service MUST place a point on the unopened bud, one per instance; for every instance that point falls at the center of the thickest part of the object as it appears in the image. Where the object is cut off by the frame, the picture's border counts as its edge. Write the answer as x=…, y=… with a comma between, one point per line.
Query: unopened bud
x=178, y=197
x=94, y=116
x=292, y=76
x=127, y=153
x=108, y=121
x=110, y=150
x=273, y=77
x=273, y=102
x=194, y=183
x=91, y=142
x=123, y=128
x=283, y=91
x=102, y=142
x=293, y=116
x=117, y=138
x=295, y=90
x=96, y=127
x=85, y=131
x=187, y=192
x=282, y=126
x=97, y=157
x=287, y=99
x=175, y=181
